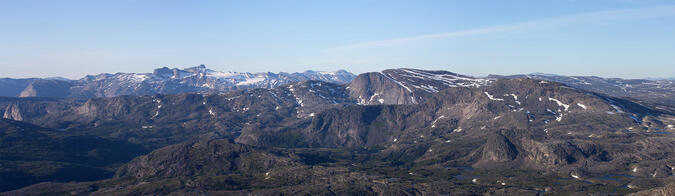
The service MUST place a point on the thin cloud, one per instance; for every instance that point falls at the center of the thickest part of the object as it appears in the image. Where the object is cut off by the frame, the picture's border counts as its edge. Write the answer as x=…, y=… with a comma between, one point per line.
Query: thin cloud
x=639, y=13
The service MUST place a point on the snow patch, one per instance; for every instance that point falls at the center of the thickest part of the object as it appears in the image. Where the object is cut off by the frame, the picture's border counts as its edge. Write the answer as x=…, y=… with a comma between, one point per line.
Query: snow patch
x=205, y=85
x=581, y=105
x=635, y=118
x=140, y=77
x=433, y=124
x=250, y=81
x=515, y=97
x=559, y=103
x=451, y=80
x=361, y=101
x=617, y=108
x=218, y=74
x=492, y=98
x=397, y=82
x=373, y=97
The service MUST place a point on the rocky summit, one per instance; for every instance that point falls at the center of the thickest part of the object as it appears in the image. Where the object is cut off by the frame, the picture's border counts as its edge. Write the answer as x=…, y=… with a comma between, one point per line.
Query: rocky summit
x=395, y=132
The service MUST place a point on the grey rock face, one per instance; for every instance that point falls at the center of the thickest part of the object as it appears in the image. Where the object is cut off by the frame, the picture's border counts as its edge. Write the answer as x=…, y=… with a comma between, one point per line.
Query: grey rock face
x=406, y=86
x=659, y=91
x=13, y=112
x=498, y=148
x=377, y=88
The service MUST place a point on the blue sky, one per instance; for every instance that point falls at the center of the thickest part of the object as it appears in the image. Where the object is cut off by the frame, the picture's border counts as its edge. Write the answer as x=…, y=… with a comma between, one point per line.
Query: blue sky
x=610, y=38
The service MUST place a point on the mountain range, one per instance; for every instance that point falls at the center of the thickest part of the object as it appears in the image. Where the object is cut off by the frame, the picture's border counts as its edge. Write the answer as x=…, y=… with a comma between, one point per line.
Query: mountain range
x=160, y=81
x=394, y=132
x=199, y=79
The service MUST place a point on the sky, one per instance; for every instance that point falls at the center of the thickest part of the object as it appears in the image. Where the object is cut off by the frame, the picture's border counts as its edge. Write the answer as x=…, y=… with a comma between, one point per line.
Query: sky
x=608, y=38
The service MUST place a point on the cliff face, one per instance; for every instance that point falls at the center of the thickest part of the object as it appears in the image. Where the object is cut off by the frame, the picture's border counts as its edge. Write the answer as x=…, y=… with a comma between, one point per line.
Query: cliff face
x=13, y=112
x=406, y=86
x=377, y=88
x=48, y=88
x=497, y=148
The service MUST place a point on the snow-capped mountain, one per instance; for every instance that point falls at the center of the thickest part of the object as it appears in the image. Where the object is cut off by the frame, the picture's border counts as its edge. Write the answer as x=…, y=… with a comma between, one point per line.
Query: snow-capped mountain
x=171, y=81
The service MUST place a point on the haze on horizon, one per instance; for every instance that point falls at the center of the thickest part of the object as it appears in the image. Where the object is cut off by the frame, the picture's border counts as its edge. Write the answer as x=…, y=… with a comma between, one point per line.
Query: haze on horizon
x=608, y=38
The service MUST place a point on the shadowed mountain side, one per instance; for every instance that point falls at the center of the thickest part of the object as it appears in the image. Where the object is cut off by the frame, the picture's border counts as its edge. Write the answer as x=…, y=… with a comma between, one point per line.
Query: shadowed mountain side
x=30, y=154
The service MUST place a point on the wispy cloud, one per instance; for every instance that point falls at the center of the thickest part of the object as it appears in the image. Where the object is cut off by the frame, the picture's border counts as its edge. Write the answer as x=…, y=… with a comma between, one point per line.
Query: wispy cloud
x=638, y=13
